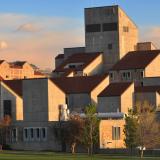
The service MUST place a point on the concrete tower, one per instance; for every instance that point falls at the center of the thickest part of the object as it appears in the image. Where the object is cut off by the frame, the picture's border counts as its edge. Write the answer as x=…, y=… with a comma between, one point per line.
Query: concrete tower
x=111, y=31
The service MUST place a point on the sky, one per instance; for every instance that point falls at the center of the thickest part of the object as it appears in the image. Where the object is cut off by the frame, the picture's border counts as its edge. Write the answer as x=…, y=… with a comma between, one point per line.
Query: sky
x=38, y=30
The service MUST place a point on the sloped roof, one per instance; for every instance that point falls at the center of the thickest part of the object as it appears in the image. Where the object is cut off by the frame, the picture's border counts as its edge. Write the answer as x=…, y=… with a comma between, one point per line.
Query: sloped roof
x=84, y=84
x=17, y=64
x=1, y=78
x=1, y=61
x=15, y=85
x=141, y=89
x=59, y=56
x=38, y=73
x=85, y=58
x=114, y=89
x=136, y=60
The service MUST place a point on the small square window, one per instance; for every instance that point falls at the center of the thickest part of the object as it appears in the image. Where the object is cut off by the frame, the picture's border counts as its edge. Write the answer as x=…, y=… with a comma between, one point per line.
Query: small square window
x=125, y=29
x=142, y=74
x=115, y=133
x=110, y=46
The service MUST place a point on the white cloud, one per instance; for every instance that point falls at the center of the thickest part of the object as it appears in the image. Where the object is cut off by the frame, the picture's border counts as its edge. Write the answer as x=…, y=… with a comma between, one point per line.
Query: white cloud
x=151, y=33
x=51, y=35
x=3, y=45
x=28, y=27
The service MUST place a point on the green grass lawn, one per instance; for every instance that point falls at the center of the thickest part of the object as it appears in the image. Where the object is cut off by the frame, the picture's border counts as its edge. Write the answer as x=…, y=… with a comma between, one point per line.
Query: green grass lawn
x=13, y=155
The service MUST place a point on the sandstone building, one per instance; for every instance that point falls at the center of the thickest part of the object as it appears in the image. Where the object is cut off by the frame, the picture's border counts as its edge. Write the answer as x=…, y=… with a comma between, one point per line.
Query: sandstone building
x=113, y=70
x=18, y=70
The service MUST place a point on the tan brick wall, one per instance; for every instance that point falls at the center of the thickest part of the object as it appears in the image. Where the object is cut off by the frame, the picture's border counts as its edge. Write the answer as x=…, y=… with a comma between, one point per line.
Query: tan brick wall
x=56, y=97
x=127, y=99
x=94, y=67
x=99, y=89
x=105, y=132
x=127, y=40
x=152, y=70
x=16, y=101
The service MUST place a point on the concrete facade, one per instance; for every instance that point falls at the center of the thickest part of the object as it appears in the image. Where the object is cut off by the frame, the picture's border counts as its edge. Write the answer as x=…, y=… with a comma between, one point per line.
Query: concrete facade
x=107, y=135
x=17, y=70
x=16, y=103
x=117, y=103
x=109, y=30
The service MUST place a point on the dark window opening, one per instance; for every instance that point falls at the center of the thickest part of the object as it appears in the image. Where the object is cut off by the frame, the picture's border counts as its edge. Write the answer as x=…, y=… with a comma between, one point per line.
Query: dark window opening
x=7, y=108
x=110, y=46
x=115, y=133
x=142, y=74
x=32, y=133
x=26, y=133
x=37, y=132
x=128, y=74
x=66, y=99
x=110, y=27
x=111, y=75
x=125, y=29
x=43, y=133
x=72, y=66
x=14, y=133
x=93, y=28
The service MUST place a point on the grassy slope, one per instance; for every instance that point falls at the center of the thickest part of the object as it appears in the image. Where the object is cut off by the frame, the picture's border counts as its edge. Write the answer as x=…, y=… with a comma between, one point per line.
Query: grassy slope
x=60, y=156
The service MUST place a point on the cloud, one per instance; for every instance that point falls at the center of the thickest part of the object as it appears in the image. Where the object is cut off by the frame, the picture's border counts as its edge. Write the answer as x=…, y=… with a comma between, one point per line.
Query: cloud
x=150, y=33
x=51, y=35
x=3, y=45
x=28, y=27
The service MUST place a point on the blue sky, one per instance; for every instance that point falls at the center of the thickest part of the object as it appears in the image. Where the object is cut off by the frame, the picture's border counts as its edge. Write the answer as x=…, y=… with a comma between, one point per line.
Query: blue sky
x=144, y=12
x=37, y=30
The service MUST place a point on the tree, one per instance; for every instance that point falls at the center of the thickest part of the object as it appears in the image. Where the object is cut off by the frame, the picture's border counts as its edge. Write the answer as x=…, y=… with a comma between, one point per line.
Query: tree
x=4, y=130
x=91, y=128
x=130, y=130
x=70, y=131
x=73, y=131
x=148, y=129
x=142, y=127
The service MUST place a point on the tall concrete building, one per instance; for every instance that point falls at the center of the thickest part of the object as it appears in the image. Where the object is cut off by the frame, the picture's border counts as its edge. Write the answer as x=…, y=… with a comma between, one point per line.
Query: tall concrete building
x=109, y=30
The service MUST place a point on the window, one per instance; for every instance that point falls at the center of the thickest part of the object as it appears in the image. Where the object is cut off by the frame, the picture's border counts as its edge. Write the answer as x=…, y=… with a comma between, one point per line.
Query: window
x=110, y=27
x=25, y=134
x=72, y=66
x=32, y=133
x=43, y=133
x=126, y=75
x=115, y=133
x=125, y=29
x=93, y=28
x=141, y=74
x=66, y=99
x=111, y=76
x=37, y=133
x=110, y=46
x=7, y=106
x=14, y=134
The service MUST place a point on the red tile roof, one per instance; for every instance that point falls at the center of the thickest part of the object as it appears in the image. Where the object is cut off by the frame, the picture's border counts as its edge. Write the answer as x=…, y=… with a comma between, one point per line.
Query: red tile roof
x=15, y=85
x=59, y=56
x=1, y=61
x=85, y=58
x=17, y=64
x=83, y=84
x=114, y=89
x=1, y=79
x=38, y=73
x=141, y=89
x=136, y=60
